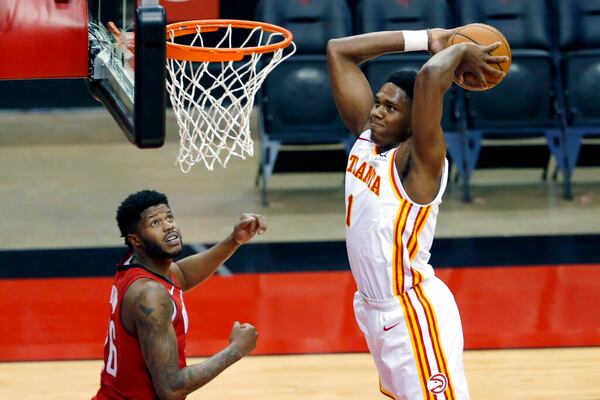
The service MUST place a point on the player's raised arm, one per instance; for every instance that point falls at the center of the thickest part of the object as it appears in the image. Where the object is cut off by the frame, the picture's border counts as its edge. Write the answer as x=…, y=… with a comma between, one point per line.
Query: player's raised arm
x=433, y=80
x=193, y=270
x=351, y=91
x=151, y=309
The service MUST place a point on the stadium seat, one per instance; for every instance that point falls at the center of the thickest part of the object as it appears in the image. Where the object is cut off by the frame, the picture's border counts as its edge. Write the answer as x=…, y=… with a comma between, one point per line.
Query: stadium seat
x=384, y=15
x=579, y=40
x=528, y=102
x=390, y=15
x=297, y=103
x=313, y=23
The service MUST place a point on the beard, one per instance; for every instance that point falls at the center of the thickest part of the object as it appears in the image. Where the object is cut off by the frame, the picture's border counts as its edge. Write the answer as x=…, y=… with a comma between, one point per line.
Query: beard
x=155, y=251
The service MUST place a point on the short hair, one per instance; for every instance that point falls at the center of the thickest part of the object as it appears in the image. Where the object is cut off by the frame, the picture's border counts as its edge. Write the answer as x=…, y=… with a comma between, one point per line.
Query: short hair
x=130, y=211
x=405, y=80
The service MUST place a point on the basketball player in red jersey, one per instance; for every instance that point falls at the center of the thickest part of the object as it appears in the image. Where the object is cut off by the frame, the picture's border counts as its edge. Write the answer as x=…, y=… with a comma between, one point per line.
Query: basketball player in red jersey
x=144, y=353
x=395, y=179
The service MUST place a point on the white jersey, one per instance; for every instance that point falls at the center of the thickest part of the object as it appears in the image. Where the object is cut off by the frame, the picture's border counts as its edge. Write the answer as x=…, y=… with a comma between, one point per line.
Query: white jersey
x=408, y=316
x=388, y=236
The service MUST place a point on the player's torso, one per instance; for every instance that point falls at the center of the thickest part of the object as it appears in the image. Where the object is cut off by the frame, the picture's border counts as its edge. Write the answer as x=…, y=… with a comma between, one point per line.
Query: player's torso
x=388, y=237
x=124, y=374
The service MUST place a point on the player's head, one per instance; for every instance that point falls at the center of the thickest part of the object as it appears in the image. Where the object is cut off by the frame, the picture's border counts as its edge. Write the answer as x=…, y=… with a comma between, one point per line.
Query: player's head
x=391, y=113
x=147, y=224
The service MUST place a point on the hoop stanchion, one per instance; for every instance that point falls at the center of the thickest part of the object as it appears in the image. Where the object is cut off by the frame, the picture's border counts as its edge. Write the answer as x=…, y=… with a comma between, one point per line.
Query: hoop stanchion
x=215, y=68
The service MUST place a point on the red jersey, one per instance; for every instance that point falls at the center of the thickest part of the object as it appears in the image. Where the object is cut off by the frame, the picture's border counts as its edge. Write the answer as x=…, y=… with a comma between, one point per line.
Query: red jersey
x=125, y=374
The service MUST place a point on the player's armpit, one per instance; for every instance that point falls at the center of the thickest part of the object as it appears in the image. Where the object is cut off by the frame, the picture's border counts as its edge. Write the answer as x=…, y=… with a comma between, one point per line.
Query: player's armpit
x=179, y=275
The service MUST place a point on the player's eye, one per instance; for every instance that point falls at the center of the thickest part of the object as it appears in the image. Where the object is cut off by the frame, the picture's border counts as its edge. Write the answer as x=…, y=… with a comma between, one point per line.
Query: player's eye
x=170, y=218
x=154, y=222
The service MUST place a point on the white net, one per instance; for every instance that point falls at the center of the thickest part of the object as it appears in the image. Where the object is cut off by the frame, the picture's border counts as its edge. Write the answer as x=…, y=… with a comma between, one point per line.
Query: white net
x=213, y=101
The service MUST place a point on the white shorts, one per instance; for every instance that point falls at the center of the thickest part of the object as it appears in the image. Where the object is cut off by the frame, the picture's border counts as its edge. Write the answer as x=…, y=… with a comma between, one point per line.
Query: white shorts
x=416, y=341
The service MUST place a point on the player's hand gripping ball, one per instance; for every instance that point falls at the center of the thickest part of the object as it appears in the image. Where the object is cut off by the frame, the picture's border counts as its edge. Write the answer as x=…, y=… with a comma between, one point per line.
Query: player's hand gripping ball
x=483, y=35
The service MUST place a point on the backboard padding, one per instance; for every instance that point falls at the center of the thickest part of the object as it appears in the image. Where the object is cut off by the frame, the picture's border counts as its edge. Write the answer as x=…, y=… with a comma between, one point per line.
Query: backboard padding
x=43, y=39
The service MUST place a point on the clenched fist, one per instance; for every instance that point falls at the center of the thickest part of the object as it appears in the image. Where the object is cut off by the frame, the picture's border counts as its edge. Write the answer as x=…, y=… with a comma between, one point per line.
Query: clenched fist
x=243, y=337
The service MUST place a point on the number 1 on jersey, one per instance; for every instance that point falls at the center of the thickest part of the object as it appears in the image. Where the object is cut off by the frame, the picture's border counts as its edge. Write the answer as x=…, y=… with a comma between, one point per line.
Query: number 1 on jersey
x=349, y=210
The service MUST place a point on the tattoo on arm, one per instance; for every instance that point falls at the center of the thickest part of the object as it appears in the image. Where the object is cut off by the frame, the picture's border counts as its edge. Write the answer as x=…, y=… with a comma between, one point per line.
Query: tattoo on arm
x=157, y=337
x=158, y=341
x=200, y=374
x=146, y=310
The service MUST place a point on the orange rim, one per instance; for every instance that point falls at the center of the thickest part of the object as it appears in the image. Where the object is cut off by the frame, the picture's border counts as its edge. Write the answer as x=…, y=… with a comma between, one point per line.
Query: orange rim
x=202, y=54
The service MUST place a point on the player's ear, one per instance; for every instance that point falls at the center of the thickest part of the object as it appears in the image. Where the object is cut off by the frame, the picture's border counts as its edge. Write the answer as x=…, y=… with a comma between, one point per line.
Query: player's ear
x=134, y=240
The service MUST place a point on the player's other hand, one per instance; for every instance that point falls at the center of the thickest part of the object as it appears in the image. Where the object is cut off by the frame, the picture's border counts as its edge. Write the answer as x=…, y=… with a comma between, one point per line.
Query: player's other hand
x=475, y=64
x=248, y=226
x=243, y=338
x=438, y=39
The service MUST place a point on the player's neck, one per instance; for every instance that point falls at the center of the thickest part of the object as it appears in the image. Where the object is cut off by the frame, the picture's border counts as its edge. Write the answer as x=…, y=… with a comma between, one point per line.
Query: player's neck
x=159, y=266
x=384, y=148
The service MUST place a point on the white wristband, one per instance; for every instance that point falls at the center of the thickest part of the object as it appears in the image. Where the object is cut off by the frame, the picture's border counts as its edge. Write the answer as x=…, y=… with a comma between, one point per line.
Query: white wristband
x=415, y=40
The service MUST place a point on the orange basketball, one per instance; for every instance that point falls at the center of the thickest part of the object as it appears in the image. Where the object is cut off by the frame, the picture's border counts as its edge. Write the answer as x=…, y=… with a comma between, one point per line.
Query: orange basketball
x=484, y=35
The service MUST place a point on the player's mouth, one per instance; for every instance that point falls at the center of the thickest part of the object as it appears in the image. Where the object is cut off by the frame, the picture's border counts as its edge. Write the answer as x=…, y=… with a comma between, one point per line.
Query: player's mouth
x=173, y=239
x=377, y=124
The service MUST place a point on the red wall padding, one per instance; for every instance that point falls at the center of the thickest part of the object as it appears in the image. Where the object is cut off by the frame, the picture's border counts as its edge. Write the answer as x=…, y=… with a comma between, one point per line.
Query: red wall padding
x=49, y=38
x=508, y=307
x=43, y=39
x=178, y=10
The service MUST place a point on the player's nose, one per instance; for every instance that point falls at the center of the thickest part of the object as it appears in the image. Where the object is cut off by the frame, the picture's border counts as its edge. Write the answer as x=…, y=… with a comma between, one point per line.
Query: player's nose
x=376, y=112
x=168, y=225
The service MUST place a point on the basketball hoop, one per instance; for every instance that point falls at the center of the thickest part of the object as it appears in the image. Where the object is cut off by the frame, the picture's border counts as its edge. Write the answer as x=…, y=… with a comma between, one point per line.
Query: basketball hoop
x=213, y=78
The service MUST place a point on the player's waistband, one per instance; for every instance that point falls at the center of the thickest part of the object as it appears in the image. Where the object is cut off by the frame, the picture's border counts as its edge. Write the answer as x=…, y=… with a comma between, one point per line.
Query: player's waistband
x=380, y=304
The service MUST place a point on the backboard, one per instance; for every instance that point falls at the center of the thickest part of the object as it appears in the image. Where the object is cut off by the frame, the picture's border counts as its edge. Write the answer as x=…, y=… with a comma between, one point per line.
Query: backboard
x=127, y=66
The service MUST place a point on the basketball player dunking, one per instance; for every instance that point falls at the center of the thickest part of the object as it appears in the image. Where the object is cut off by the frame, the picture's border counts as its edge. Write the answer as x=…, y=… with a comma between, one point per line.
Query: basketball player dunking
x=395, y=179
x=144, y=352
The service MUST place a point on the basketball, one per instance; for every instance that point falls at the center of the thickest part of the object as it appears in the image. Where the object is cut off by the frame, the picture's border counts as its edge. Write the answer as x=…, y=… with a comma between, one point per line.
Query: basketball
x=484, y=35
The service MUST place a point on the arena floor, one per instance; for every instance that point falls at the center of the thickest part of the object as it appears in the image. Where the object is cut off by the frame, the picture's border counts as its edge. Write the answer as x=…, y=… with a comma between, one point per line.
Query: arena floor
x=568, y=374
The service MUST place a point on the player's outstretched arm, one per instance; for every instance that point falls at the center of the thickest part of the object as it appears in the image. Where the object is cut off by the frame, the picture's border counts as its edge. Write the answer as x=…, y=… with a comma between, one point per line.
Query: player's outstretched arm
x=193, y=270
x=433, y=80
x=152, y=309
x=351, y=91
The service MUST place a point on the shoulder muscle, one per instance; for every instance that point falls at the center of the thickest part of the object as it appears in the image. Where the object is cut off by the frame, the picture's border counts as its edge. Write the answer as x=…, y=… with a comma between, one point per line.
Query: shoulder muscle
x=149, y=304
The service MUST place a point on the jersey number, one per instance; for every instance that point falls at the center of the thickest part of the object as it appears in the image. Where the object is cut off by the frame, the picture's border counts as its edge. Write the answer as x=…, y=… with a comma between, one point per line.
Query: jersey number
x=111, y=363
x=349, y=210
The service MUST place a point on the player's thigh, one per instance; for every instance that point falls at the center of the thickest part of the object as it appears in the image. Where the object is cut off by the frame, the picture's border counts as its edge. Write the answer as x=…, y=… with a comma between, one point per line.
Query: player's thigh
x=445, y=313
x=446, y=316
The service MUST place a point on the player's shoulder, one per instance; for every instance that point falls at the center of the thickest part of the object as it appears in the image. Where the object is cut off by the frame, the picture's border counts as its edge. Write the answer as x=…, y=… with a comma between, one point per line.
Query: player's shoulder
x=146, y=290
x=148, y=286
x=365, y=135
x=144, y=297
x=363, y=141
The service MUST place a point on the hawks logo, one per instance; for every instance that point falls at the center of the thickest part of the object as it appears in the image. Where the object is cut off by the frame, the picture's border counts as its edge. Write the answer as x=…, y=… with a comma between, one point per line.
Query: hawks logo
x=437, y=383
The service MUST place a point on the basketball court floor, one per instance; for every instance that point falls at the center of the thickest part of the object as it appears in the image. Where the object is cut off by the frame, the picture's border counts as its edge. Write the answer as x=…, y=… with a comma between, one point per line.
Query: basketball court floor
x=569, y=374
x=64, y=173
